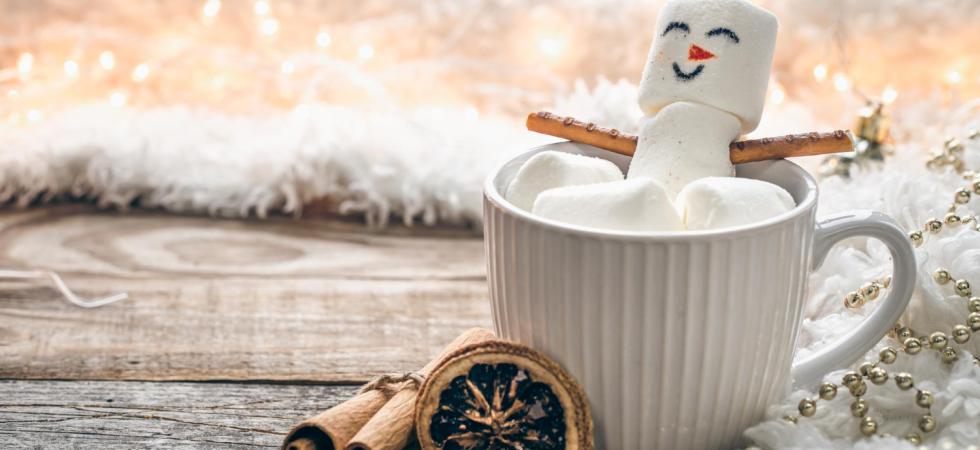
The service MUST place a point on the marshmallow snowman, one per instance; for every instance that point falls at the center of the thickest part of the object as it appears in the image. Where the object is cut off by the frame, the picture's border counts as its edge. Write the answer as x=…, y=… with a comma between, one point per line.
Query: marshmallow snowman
x=704, y=83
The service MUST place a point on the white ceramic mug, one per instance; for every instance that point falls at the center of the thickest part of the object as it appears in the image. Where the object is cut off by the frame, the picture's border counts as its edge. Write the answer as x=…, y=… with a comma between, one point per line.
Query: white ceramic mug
x=680, y=340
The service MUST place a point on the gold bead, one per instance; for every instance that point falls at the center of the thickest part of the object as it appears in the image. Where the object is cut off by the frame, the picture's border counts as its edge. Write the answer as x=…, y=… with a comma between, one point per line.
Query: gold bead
x=961, y=334
x=887, y=355
x=974, y=304
x=859, y=408
x=904, y=381
x=851, y=378
x=868, y=426
x=949, y=355
x=858, y=389
x=973, y=321
x=974, y=134
x=941, y=276
x=962, y=196
x=976, y=187
x=938, y=340
x=927, y=423
x=878, y=375
x=828, y=391
x=807, y=407
x=870, y=290
x=916, y=237
x=854, y=300
x=963, y=288
x=923, y=399
x=934, y=226
x=912, y=346
x=913, y=438
x=790, y=419
x=951, y=219
x=904, y=333
x=865, y=368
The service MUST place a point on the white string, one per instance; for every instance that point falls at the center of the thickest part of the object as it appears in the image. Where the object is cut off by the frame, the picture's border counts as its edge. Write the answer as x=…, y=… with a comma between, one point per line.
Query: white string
x=61, y=286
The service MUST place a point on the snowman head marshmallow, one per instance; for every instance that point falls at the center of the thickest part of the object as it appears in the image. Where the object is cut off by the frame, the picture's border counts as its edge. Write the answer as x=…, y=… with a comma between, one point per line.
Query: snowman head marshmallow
x=713, y=52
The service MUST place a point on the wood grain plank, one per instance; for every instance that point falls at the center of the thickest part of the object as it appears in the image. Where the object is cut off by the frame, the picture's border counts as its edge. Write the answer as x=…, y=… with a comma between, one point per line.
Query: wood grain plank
x=126, y=415
x=232, y=300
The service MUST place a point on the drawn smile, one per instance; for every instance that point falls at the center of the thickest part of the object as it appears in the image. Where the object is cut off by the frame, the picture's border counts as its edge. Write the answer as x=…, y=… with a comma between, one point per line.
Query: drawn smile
x=687, y=76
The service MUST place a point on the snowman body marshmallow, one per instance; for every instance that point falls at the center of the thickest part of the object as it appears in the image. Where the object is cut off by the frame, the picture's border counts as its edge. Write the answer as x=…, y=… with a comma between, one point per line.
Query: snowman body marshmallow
x=703, y=85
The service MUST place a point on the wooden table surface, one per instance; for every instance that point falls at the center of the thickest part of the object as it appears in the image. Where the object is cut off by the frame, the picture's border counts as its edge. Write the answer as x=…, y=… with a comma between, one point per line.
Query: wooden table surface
x=233, y=331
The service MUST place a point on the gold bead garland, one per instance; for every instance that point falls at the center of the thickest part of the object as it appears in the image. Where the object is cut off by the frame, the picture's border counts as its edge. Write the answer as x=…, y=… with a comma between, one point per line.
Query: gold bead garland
x=912, y=343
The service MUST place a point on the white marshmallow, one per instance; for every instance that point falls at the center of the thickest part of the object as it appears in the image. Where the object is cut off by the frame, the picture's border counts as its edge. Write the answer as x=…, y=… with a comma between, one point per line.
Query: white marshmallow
x=630, y=205
x=551, y=169
x=684, y=142
x=727, y=202
x=734, y=79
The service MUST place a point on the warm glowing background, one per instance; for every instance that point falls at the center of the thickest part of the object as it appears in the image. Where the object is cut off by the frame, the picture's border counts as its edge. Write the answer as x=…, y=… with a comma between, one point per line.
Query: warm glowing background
x=489, y=56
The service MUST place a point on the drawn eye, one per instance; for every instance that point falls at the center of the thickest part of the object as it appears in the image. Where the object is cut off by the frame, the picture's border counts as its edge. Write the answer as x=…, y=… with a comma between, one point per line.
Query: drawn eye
x=721, y=31
x=676, y=26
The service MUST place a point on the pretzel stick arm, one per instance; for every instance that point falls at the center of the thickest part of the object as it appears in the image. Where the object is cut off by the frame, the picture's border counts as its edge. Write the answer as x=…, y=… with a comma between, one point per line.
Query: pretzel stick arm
x=805, y=144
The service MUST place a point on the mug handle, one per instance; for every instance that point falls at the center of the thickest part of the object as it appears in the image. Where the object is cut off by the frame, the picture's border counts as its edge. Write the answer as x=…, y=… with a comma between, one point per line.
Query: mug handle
x=810, y=371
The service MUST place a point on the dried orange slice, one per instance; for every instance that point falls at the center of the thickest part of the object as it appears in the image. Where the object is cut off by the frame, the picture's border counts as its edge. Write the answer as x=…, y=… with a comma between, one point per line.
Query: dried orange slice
x=499, y=395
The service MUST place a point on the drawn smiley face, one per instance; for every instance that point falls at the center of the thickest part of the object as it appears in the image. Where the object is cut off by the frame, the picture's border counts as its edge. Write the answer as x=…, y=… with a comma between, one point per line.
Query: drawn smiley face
x=695, y=53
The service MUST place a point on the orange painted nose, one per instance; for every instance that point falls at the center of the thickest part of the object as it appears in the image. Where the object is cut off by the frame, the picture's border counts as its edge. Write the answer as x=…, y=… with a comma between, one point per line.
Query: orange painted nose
x=696, y=53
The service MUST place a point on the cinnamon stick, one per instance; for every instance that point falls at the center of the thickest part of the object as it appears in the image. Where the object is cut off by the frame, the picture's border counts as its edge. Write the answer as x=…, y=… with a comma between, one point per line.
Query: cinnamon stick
x=805, y=144
x=391, y=428
x=333, y=428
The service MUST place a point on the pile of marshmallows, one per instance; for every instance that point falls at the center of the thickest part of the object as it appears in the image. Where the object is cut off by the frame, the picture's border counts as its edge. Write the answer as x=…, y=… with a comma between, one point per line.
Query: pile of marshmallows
x=704, y=84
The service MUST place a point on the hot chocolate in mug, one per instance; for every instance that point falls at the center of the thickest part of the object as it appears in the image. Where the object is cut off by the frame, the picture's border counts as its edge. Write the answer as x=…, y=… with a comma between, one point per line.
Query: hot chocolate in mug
x=680, y=339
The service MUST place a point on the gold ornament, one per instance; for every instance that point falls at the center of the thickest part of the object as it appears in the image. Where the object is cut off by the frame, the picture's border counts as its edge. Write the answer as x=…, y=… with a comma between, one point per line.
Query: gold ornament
x=807, y=407
x=871, y=142
x=913, y=438
x=961, y=334
x=962, y=196
x=927, y=423
x=828, y=391
x=868, y=426
x=858, y=389
x=878, y=375
x=904, y=381
x=850, y=379
x=854, y=300
x=973, y=321
x=941, y=276
x=951, y=219
x=948, y=355
x=912, y=346
x=887, y=355
x=974, y=304
x=870, y=290
x=904, y=333
x=934, y=226
x=923, y=399
x=916, y=237
x=963, y=288
x=859, y=408
x=938, y=340
x=865, y=368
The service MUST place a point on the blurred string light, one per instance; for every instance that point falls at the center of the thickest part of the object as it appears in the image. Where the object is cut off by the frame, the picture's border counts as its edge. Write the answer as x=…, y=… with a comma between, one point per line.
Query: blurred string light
x=107, y=60
x=820, y=72
x=218, y=59
x=323, y=39
x=211, y=9
x=25, y=63
x=71, y=69
x=365, y=52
